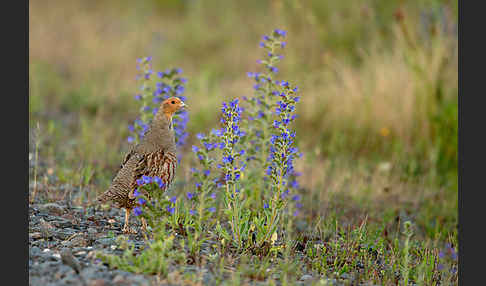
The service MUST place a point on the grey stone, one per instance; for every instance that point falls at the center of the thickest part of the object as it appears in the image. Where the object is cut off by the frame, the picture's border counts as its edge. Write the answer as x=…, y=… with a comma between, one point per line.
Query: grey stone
x=64, y=233
x=306, y=277
x=92, y=230
x=52, y=208
x=106, y=241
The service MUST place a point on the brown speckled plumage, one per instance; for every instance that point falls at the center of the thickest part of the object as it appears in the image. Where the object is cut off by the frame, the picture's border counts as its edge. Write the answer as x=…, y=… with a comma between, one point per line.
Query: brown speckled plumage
x=155, y=155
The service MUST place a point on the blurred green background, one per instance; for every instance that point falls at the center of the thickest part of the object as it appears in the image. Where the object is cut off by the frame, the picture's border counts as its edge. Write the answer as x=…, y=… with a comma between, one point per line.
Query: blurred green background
x=379, y=83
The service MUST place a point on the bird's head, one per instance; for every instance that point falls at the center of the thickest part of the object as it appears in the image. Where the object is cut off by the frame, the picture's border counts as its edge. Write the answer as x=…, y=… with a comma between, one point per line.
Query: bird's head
x=171, y=105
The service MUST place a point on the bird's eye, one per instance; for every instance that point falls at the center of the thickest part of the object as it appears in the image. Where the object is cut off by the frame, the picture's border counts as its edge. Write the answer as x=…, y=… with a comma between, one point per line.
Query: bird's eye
x=173, y=102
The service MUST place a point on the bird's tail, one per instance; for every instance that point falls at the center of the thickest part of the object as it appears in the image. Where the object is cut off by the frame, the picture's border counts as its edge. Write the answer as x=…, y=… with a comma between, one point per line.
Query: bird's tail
x=104, y=197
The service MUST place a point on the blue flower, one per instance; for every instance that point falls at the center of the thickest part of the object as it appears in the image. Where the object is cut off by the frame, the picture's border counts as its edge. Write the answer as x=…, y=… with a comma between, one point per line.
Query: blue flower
x=195, y=149
x=137, y=211
x=193, y=212
x=173, y=199
x=138, y=97
x=280, y=32
x=170, y=210
x=147, y=179
x=296, y=198
x=274, y=69
x=207, y=172
x=269, y=171
x=140, y=182
x=213, y=196
x=136, y=193
x=228, y=159
x=130, y=139
x=190, y=196
x=265, y=205
x=141, y=201
x=212, y=209
x=159, y=182
x=200, y=136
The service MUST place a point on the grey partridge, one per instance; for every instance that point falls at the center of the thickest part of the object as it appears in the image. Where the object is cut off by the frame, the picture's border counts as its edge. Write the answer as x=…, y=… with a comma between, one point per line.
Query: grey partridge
x=154, y=156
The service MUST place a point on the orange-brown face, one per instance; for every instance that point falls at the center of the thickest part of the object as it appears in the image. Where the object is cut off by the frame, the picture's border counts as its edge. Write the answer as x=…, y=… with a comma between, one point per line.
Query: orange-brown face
x=171, y=105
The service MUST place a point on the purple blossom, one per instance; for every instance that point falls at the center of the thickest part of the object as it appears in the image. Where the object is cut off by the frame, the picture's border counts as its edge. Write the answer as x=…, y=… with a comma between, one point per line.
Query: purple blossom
x=200, y=136
x=173, y=199
x=280, y=32
x=171, y=210
x=159, y=182
x=137, y=211
x=228, y=159
x=212, y=209
x=190, y=196
x=147, y=179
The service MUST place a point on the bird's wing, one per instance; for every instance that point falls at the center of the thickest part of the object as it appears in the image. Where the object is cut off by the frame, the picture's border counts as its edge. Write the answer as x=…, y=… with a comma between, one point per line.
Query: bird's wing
x=127, y=157
x=140, y=168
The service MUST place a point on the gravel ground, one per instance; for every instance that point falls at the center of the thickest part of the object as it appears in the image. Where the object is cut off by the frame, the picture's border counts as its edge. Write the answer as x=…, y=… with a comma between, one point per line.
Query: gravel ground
x=62, y=241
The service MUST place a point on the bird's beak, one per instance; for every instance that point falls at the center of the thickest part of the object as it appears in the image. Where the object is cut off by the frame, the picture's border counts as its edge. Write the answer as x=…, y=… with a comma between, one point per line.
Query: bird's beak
x=184, y=105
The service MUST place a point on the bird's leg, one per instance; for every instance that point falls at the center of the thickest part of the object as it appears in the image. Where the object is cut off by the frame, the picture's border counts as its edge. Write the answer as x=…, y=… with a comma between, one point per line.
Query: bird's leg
x=144, y=224
x=126, y=228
